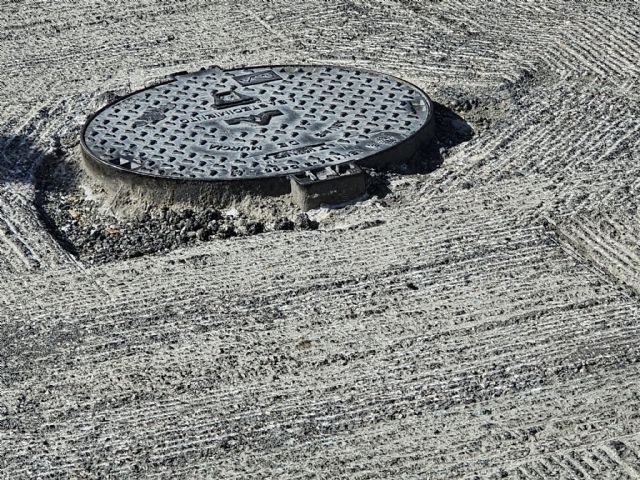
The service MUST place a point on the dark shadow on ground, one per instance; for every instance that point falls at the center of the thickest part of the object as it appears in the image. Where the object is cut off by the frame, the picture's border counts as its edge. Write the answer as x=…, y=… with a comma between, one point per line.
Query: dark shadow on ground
x=54, y=174
x=450, y=130
x=18, y=159
x=21, y=162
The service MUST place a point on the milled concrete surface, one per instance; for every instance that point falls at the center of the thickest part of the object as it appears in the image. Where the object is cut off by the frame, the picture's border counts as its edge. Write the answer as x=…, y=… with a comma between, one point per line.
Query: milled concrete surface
x=477, y=321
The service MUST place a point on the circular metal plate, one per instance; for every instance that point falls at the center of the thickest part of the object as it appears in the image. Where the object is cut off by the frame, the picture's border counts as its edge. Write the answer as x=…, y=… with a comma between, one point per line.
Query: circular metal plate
x=258, y=122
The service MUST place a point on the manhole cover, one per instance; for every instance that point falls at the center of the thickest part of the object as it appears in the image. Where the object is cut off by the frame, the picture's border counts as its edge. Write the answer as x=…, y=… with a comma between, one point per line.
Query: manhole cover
x=259, y=122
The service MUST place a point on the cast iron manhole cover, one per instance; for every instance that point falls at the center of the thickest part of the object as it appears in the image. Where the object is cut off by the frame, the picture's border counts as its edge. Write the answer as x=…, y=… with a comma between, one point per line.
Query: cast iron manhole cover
x=259, y=122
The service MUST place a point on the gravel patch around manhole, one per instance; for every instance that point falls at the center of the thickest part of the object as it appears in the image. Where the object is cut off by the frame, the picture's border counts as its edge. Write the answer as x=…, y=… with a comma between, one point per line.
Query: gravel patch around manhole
x=95, y=230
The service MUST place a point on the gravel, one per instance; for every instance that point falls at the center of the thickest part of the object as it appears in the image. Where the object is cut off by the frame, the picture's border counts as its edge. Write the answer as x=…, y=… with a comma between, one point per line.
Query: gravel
x=98, y=238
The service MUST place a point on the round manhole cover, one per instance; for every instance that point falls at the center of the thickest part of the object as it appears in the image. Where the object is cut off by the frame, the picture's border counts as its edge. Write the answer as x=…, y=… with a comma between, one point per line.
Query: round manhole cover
x=259, y=122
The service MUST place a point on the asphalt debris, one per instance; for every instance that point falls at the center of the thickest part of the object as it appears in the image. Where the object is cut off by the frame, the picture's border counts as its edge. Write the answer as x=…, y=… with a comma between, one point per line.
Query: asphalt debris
x=97, y=238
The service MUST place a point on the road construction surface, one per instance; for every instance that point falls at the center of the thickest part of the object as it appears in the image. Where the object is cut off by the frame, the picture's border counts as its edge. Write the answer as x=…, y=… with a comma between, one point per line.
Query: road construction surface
x=480, y=320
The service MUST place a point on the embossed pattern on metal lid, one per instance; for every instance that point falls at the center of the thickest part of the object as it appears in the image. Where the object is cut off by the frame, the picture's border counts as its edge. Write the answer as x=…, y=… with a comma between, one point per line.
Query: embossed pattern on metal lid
x=257, y=122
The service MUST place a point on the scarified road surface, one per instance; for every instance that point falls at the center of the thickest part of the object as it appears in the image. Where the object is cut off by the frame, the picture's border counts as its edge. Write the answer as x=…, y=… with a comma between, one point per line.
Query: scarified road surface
x=478, y=321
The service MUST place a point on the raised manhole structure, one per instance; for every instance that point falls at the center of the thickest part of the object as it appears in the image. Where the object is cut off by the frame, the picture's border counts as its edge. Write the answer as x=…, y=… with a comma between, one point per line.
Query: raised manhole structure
x=204, y=135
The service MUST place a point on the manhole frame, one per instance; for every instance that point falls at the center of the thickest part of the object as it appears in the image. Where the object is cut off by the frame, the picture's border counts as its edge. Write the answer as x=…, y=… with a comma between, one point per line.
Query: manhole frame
x=269, y=184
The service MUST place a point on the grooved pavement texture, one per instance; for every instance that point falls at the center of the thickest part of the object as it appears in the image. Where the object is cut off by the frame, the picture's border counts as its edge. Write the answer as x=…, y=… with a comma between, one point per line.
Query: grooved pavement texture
x=481, y=323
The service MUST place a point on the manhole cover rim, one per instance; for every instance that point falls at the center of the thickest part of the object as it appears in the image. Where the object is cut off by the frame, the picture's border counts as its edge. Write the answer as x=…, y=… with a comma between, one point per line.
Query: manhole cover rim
x=414, y=140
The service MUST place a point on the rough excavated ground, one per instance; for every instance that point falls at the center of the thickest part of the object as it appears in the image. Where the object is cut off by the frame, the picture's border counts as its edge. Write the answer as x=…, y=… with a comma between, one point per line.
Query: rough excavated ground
x=477, y=321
